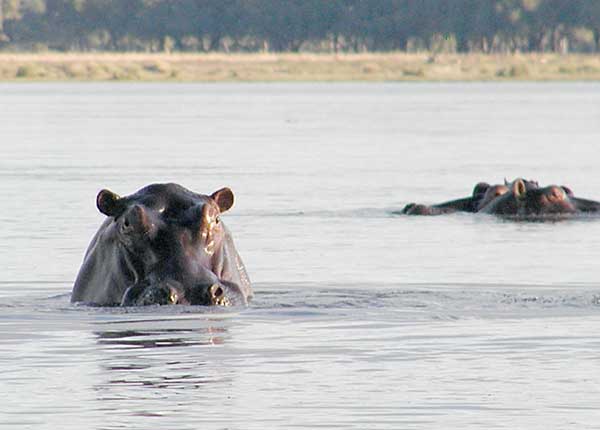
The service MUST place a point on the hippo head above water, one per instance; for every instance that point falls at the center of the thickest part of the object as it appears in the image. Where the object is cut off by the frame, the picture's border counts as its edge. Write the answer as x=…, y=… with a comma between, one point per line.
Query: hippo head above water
x=162, y=245
x=526, y=199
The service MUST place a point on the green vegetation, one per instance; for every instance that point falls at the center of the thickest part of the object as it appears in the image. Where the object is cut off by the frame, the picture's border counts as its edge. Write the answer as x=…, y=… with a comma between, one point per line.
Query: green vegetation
x=299, y=40
x=297, y=67
x=326, y=26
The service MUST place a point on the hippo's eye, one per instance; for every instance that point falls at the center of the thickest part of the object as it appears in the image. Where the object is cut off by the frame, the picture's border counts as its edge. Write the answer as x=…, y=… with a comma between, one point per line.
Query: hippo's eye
x=217, y=219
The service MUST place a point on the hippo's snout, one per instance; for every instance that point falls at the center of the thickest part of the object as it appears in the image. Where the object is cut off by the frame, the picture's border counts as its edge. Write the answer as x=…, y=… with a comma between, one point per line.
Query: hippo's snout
x=171, y=293
x=145, y=294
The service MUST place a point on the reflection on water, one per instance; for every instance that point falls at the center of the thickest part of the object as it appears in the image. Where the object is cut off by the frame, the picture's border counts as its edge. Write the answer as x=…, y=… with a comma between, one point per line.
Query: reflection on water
x=128, y=366
x=165, y=338
x=145, y=365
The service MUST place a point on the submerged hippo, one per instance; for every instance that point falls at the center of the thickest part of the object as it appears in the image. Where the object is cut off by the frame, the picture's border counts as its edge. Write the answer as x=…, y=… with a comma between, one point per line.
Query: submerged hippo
x=491, y=194
x=162, y=245
x=521, y=199
x=483, y=193
x=466, y=204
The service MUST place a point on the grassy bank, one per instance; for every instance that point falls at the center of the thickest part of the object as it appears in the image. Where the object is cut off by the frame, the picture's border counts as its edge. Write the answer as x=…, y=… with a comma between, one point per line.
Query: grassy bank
x=296, y=67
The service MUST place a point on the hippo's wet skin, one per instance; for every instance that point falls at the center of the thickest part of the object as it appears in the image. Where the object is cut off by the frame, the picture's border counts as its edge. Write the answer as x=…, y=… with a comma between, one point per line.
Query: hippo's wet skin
x=162, y=245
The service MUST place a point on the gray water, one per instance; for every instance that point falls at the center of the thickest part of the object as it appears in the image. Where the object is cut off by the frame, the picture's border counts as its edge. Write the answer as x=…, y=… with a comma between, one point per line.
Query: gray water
x=361, y=319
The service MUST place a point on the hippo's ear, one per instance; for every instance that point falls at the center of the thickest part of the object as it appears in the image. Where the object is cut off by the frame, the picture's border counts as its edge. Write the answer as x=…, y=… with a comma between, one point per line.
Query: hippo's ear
x=480, y=188
x=519, y=189
x=109, y=203
x=567, y=190
x=224, y=199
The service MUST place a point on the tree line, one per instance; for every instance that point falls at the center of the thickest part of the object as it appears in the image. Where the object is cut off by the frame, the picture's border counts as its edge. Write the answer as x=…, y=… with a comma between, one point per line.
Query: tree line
x=301, y=25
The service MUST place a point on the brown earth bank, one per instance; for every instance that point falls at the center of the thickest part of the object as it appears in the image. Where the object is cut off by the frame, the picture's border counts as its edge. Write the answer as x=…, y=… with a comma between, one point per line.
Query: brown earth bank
x=296, y=67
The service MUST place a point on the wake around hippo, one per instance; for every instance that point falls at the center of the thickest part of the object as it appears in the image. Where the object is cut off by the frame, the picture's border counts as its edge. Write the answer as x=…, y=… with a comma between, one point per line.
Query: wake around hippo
x=520, y=199
x=162, y=245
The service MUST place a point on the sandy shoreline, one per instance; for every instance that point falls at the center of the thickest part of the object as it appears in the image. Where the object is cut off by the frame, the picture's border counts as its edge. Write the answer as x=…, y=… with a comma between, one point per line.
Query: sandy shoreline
x=296, y=67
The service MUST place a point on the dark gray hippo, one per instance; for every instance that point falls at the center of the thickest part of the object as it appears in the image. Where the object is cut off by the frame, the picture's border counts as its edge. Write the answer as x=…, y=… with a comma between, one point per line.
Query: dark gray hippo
x=525, y=199
x=522, y=198
x=483, y=193
x=491, y=194
x=466, y=204
x=162, y=245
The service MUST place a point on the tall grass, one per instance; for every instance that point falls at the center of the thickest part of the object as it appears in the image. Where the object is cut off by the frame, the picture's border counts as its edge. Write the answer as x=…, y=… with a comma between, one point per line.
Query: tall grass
x=296, y=67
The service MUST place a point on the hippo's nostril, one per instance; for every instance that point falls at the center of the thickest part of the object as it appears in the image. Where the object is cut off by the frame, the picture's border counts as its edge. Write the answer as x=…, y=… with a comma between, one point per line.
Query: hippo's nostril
x=218, y=296
x=216, y=291
x=173, y=297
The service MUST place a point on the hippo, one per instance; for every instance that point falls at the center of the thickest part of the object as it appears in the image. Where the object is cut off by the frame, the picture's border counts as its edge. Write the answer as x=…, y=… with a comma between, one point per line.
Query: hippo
x=526, y=199
x=162, y=245
x=483, y=194
x=583, y=206
x=466, y=204
x=499, y=190
x=492, y=193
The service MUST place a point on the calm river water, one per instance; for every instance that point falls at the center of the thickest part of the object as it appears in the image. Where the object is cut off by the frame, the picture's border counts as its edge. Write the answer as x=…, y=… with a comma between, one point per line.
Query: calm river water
x=361, y=319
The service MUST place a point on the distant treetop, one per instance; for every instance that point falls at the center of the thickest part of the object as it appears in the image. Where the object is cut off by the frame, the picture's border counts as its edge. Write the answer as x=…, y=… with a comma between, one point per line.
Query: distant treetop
x=301, y=25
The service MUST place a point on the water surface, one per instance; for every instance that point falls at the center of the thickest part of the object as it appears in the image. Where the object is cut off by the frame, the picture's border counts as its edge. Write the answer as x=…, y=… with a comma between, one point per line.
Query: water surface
x=362, y=319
